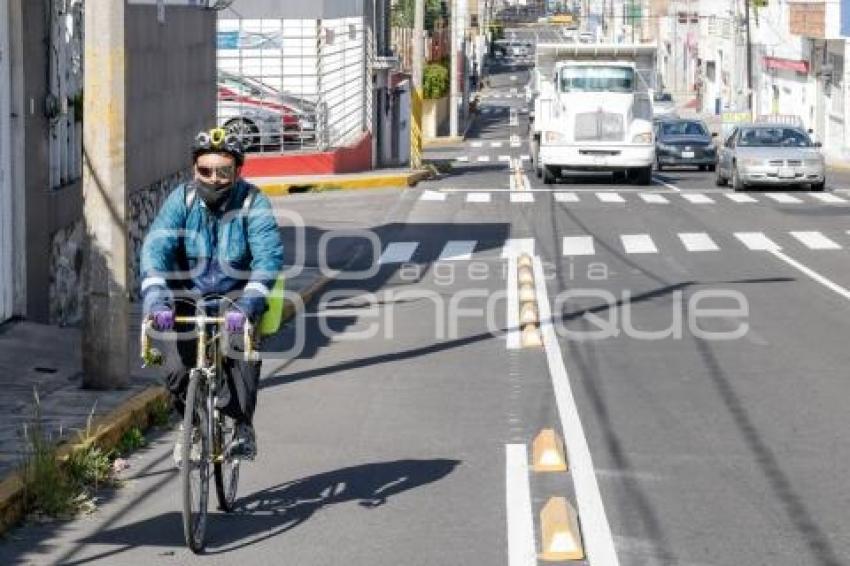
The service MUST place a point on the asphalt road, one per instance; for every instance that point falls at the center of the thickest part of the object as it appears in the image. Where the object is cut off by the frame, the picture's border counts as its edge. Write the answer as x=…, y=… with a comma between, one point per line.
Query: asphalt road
x=694, y=362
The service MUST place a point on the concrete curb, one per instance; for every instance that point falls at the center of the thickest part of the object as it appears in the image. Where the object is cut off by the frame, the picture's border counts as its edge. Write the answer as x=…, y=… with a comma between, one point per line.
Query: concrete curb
x=366, y=182
x=135, y=411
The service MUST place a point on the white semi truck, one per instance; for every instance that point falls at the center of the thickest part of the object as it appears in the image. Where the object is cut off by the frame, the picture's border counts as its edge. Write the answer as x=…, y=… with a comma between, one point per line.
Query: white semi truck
x=592, y=110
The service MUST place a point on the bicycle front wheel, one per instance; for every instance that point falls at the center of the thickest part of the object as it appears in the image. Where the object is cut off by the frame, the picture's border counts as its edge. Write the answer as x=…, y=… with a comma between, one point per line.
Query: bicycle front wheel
x=226, y=467
x=195, y=463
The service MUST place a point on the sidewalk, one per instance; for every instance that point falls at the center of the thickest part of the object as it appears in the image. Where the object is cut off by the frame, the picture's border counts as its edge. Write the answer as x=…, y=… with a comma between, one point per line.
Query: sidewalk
x=401, y=177
x=47, y=359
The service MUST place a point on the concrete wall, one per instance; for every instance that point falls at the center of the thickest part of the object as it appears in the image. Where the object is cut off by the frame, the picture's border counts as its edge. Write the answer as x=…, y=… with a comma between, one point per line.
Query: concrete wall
x=170, y=78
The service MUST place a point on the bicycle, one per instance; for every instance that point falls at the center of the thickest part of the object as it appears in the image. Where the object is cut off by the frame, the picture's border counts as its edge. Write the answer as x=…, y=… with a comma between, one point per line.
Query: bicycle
x=204, y=426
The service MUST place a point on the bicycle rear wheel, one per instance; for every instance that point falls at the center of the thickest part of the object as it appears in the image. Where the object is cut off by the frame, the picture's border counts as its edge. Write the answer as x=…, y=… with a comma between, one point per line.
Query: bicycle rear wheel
x=195, y=464
x=226, y=468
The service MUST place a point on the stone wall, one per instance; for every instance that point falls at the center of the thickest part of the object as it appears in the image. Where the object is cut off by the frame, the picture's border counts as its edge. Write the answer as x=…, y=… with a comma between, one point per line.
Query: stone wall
x=66, y=251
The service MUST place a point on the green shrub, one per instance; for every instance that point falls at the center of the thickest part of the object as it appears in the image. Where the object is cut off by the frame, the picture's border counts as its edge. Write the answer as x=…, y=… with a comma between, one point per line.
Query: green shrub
x=131, y=440
x=435, y=81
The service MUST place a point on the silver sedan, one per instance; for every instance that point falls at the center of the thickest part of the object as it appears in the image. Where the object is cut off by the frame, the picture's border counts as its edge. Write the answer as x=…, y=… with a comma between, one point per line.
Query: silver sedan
x=770, y=154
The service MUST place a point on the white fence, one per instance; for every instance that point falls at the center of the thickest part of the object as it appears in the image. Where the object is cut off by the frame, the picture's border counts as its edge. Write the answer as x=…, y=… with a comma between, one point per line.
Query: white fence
x=292, y=84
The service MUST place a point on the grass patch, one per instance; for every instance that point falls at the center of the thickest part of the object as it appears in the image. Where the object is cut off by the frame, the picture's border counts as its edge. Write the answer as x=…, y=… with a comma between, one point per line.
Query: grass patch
x=160, y=412
x=54, y=488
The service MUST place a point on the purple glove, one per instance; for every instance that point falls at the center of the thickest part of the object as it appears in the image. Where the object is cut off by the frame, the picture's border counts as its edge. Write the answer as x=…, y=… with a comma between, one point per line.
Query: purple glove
x=163, y=319
x=234, y=322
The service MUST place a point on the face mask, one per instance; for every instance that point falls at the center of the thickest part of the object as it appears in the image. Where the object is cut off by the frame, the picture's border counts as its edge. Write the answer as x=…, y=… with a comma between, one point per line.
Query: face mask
x=214, y=196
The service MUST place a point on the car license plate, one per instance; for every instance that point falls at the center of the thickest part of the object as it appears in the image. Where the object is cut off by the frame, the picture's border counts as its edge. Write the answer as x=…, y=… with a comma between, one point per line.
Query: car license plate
x=786, y=173
x=688, y=154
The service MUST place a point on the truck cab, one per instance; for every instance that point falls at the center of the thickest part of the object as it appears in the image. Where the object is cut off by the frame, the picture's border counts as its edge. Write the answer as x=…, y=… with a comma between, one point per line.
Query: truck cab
x=593, y=111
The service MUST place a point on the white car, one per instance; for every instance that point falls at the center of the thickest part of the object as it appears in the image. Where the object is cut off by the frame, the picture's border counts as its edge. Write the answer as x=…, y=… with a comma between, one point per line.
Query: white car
x=663, y=105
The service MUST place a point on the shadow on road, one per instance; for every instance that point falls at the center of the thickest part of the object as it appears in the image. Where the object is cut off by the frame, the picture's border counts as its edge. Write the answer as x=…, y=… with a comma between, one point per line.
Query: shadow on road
x=278, y=509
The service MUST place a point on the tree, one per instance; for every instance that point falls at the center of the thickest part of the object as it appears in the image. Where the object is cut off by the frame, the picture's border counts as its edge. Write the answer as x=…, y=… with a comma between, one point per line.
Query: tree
x=402, y=14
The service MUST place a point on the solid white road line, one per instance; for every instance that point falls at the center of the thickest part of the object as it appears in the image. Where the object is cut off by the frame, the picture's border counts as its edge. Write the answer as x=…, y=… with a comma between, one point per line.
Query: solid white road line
x=596, y=532
x=816, y=241
x=514, y=247
x=638, y=244
x=456, y=250
x=483, y=158
x=521, y=548
x=578, y=245
x=566, y=197
x=653, y=198
x=783, y=198
x=698, y=242
x=739, y=198
x=757, y=241
x=398, y=252
x=433, y=195
x=610, y=197
x=666, y=184
x=523, y=196
x=478, y=197
x=829, y=198
x=813, y=274
x=697, y=198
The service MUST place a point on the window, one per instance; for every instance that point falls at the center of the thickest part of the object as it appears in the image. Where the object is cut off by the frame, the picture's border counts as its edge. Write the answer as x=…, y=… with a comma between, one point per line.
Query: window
x=597, y=79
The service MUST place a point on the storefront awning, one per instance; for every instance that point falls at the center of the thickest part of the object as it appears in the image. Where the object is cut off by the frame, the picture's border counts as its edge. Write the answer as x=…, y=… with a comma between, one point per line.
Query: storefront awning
x=786, y=64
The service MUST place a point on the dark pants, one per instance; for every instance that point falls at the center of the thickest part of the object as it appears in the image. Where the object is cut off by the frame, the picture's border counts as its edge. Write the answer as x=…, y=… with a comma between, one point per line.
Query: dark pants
x=238, y=397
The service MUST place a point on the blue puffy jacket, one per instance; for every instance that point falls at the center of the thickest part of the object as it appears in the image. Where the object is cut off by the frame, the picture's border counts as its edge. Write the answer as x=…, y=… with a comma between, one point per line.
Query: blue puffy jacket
x=192, y=248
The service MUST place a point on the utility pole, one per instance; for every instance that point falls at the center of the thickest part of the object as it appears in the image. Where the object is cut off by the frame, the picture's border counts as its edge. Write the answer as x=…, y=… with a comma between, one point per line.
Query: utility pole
x=749, y=61
x=105, y=273
x=453, y=68
x=416, y=87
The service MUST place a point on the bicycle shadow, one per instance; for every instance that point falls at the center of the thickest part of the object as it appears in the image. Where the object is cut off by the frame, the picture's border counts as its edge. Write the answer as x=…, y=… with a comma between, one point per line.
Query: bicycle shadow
x=273, y=511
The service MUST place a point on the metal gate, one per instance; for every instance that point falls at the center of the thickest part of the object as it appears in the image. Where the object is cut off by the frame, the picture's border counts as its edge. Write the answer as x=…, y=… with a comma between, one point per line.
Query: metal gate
x=65, y=98
x=6, y=277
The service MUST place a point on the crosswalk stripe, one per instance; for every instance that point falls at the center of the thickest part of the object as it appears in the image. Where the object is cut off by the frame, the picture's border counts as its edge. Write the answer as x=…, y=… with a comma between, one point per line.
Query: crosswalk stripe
x=698, y=242
x=828, y=197
x=525, y=158
x=457, y=250
x=566, y=197
x=654, y=198
x=783, y=198
x=816, y=241
x=398, y=252
x=638, y=244
x=496, y=144
x=522, y=197
x=462, y=158
x=477, y=144
x=478, y=197
x=610, y=197
x=739, y=198
x=514, y=247
x=757, y=241
x=433, y=195
x=578, y=245
x=483, y=158
x=697, y=198
x=504, y=158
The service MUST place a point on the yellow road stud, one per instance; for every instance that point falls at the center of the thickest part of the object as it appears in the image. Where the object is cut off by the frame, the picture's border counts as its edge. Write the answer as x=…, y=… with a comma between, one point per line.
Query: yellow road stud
x=531, y=337
x=524, y=261
x=525, y=275
x=528, y=314
x=560, y=531
x=548, y=453
x=526, y=292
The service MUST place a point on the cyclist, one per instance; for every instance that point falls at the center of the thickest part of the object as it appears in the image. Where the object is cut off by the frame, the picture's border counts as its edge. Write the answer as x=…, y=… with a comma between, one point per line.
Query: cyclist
x=214, y=235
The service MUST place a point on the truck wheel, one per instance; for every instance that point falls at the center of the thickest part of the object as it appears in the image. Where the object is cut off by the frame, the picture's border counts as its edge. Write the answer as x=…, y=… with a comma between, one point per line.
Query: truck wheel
x=643, y=176
x=548, y=175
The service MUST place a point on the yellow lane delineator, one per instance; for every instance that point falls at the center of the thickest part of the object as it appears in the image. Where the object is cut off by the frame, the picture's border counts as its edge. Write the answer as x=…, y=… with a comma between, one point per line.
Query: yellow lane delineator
x=548, y=454
x=530, y=336
x=560, y=531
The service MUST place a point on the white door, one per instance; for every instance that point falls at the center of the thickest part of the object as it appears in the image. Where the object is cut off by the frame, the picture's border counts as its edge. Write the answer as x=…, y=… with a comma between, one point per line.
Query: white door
x=6, y=281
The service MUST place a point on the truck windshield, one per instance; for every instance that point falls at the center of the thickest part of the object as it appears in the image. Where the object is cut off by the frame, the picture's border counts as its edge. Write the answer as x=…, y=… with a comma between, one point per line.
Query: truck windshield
x=597, y=79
